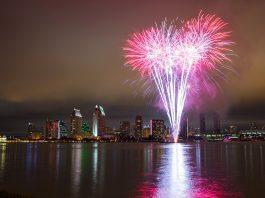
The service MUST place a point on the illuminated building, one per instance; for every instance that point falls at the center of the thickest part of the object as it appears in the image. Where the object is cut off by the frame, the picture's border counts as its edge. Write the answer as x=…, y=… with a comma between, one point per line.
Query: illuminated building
x=85, y=127
x=53, y=129
x=31, y=128
x=125, y=128
x=202, y=123
x=216, y=123
x=109, y=130
x=3, y=138
x=138, y=126
x=86, y=132
x=63, y=129
x=146, y=132
x=35, y=136
x=98, y=121
x=76, y=121
x=157, y=128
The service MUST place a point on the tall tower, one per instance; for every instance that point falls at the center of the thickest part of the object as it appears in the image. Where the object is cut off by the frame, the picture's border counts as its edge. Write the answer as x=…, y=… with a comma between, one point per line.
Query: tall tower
x=216, y=123
x=31, y=128
x=63, y=129
x=98, y=121
x=138, y=126
x=202, y=123
x=184, y=127
x=52, y=129
x=48, y=129
x=157, y=128
x=76, y=120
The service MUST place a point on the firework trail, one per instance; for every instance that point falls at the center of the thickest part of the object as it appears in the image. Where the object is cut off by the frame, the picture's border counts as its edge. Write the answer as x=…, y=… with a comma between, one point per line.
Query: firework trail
x=174, y=58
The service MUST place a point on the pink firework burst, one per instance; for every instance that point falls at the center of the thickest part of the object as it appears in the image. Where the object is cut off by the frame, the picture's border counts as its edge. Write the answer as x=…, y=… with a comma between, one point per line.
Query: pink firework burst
x=179, y=60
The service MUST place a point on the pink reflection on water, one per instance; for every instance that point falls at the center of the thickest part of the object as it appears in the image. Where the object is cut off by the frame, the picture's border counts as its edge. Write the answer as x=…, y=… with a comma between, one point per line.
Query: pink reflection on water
x=175, y=178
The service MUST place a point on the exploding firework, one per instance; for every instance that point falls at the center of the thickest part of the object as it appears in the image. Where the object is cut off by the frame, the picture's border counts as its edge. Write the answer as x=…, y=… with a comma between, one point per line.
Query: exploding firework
x=176, y=58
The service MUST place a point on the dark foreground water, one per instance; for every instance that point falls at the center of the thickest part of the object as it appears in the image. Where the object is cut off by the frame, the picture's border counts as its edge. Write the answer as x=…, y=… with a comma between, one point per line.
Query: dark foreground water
x=133, y=170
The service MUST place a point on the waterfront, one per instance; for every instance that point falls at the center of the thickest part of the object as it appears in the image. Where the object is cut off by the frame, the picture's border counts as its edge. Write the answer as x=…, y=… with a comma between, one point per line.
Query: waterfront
x=133, y=170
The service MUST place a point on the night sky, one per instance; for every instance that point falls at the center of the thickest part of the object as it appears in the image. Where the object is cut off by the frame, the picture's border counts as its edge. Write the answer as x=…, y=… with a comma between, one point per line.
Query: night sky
x=57, y=55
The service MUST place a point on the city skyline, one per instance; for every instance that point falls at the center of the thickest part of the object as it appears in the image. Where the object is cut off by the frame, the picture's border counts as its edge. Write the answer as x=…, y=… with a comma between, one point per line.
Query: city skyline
x=199, y=123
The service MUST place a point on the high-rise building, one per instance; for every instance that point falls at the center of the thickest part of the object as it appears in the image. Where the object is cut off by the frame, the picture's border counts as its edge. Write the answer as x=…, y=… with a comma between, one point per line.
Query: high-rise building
x=98, y=121
x=76, y=121
x=216, y=123
x=53, y=129
x=184, y=127
x=157, y=129
x=48, y=129
x=63, y=129
x=202, y=123
x=31, y=128
x=125, y=128
x=85, y=127
x=138, y=126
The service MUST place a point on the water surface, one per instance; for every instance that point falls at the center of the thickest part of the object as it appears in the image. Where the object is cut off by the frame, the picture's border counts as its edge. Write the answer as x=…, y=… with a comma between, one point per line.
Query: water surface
x=133, y=170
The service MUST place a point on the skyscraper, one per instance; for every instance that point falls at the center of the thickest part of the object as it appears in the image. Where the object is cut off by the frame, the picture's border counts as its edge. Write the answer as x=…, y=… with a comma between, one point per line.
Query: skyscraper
x=63, y=129
x=76, y=121
x=125, y=128
x=85, y=127
x=138, y=126
x=31, y=128
x=202, y=123
x=184, y=127
x=53, y=129
x=98, y=121
x=216, y=123
x=157, y=128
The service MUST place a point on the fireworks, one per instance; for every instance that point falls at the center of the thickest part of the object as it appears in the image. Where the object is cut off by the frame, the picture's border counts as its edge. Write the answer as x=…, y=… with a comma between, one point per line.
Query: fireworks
x=178, y=59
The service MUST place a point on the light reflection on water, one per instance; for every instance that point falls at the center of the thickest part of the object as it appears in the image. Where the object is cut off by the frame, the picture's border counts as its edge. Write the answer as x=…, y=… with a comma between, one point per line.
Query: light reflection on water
x=133, y=170
x=176, y=177
x=2, y=158
x=76, y=167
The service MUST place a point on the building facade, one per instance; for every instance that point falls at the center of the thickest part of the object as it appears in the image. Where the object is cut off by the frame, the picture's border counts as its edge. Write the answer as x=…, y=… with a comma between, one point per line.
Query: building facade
x=53, y=129
x=202, y=123
x=63, y=129
x=216, y=123
x=76, y=121
x=157, y=128
x=125, y=128
x=184, y=127
x=99, y=127
x=146, y=132
x=31, y=128
x=138, y=126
